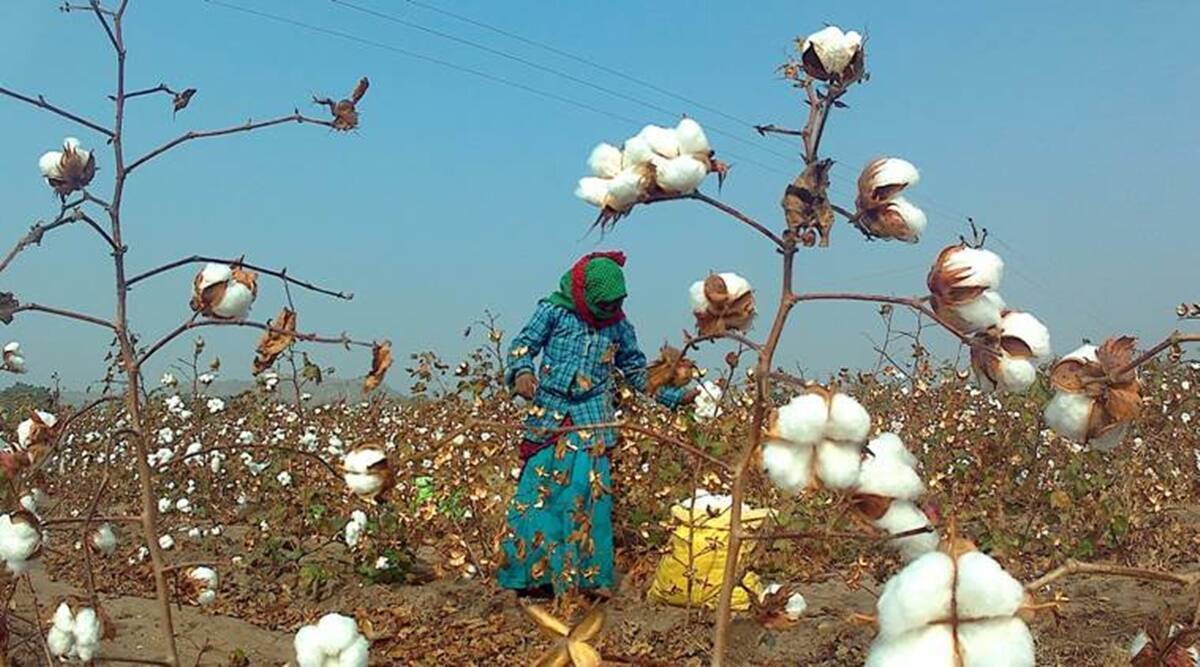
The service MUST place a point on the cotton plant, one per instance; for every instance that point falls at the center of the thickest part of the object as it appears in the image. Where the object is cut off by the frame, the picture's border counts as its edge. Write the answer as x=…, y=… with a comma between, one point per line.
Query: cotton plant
x=224, y=292
x=816, y=439
x=1006, y=356
x=882, y=211
x=954, y=607
x=962, y=285
x=887, y=493
x=368, y=473
x=68, y=170
x=722, y=302
x=13, y=360
x=333, y=641
x=1096, y=396
x=20, y=540
x=656, y=161
x=75, y=634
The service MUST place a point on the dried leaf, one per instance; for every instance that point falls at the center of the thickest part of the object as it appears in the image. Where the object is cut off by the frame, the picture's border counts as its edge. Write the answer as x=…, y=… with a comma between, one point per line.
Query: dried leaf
x=381, y=361
x=8, y=306
x=181, y=99
x=671, y=369
x=275, y=340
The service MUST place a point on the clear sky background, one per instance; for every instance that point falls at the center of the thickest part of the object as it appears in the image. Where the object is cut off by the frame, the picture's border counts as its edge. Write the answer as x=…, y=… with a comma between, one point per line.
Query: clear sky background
x=1068, y=129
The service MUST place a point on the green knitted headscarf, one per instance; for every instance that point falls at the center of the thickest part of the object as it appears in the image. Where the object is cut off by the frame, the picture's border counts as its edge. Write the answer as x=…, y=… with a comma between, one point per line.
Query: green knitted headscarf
x=595, y=280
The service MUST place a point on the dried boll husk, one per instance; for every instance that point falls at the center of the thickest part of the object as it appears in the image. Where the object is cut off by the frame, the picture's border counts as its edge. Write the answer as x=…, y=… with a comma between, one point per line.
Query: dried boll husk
x=832, y=55
x=898, y=219
x=806, y=206
x=671, y=369
x=345, y=111
x=1005, y=358
x=960, y=274
x=1096, y=397
x=882, y=180
x=977, y=314
x=722, y=302
x=368, y=472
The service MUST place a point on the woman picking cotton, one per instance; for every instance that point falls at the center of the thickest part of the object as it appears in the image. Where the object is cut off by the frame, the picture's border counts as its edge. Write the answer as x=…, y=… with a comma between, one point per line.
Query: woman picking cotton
x=560, y=519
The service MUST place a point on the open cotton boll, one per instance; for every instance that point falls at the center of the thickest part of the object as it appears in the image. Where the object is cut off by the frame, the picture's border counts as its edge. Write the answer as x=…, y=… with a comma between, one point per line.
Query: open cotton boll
x=848, y=420
x=680, y=175
x=788, y=466
x=605, y=161
x=1067, y=414
x=236, y=302
x=984, y=589
x=1000, y=642
x=888, y=445
x=696, y=297
x=735, y=285
x=104, y=539
x=1029, y=330
x=212, y=274
x=662, y=140
x=308, y=647
x=707, y=403
x=930, y=646
x=593, y=190
x=206, y=576
x=916, y=595
x=691, y=138
x=889, y=475
x=838, y=464
x=61, y=636
x=834, y=48
x=1012, y=375
x=626, y=188
x=803, y=419
x=19, y=541
x=903, y=516
x=982, y=312
x=974, y=267
x=337, y=633
x=1083, y=353
x=30, y=432
x=637, y=152
x=87, y=633
x=48, y=164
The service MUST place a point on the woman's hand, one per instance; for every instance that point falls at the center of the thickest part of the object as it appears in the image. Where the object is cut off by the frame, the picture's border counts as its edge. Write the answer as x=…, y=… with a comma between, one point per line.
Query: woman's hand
x=525, y=385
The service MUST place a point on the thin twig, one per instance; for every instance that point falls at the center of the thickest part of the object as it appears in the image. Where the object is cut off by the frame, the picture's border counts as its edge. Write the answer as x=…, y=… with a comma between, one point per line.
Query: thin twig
x=772, y=128
x=197, y=259
x=294, y=117
x=41, y=103
x=83, y=317
x=193, y=323
x=1077, y=567
x=742, y=217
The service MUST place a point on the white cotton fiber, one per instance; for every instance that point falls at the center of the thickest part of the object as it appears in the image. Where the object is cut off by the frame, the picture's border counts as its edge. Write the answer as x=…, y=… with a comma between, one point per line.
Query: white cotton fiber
x=662, y=140
x=1139, y=642
x=48, y=164
x=980, y=268
x=235, y=303
x=889, y=446
x=1030, y=330
x=308, y=647
x=356, y=654
x=691, y=137
x=803, y=419
x=893, y=171
x=1003, y=642
x=980, y=313
x=838, y=464
x=889, y=474
x=87, y=634
x=903, y=516
x=1068, y=414
x=680, y=175
x=605, y=161
x=361, y=460
x=212, y=274
x=1083, y=353
x=848, y=420
x=788, y=466
x=930, y=646
x=913, y=217
x=337, y=632
x=637, y=152
x=984, y=589
x=1013, y=376
x=735, y=284
x=625, y=189
x=696, y=297
x=834, y=48
x=592, y=190
x=916, y=595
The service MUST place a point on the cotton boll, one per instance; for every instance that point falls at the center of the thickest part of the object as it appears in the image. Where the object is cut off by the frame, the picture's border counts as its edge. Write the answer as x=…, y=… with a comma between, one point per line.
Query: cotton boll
x=337, y=633
x=63, y=618
x=888, y=172
x=680, y=175
x=1068, y=415
x=1083, y=353
x=662, y=140
x=903, y=516
x=625, y=189
x=605, y=160
x=59, y=641
x=984, y=589
x=1014, y=376
x=87, y=634
x=980, y=313
x=691, y=137
x=977, y=267
x=833, y=48
x=236, y=302
x=707, y=403
x=212, y=274
x=888, y=474
x=637, y=152
x=1001, y=642
x=803, y=419
x=889, y=446
x=735, y=284
x=48, y=164
x=838, y=464
x=917, y=595
x=593, y=190
x=796, y=606
x=356, y=654
x=912, y=216
x=788, y=466
x=104, y=539
x=19, y=541
x=1029, y=330
x=848, y=420
x=307, y=643
x=697, y=298
x=930, y=646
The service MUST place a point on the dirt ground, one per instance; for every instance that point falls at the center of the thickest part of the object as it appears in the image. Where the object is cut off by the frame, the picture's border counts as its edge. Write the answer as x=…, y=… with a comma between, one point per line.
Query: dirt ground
x=468, y=622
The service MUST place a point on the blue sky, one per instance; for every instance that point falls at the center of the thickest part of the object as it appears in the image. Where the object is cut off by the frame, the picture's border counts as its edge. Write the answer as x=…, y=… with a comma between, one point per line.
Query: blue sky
x=1066, y=129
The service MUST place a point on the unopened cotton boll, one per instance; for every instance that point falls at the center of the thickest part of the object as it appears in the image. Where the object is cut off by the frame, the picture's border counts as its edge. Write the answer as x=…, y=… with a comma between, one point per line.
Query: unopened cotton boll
x=903, y=516
x=802, y=420
x=605, y=161
x=680, y=175
x=691, y=138
x=788, y=466
x=848, y=420
x=662, y=140
x=917, y=595
x=929, y=646
x=838, y=464
x=984, y=589
x=1000, y=642
x=593, y=190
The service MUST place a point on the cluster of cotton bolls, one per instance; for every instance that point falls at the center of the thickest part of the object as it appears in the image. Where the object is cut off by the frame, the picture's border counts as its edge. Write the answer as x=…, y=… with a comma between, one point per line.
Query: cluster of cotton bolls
x=368, y=473
x=657, y=160
x=14, y=361
x=333, y=641
x=955, y=607
x=722, y=302
x=887, y=492
x=881, y=209
x=816, y=438
x=224, y=292
x=1008, y=344
x=74, y=635
x=20, y=540
x=68, y=170
x=1096, y=397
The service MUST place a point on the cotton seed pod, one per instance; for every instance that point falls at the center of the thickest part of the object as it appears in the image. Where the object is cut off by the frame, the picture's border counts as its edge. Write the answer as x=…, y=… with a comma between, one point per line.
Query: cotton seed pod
x=76, y=630
x=722, y=302
x=605, y=161
x=832, y=55
x=826, y=431
x=636, y=152
x=20, y=540
x=1005, y=358
x=789, y=466
x=332, y=641
x=889, y=471
x=901, y=517
x=629, y=187
x=960, y=274
x=882, y=180
x=14, y=361
x=1096, y=397
x=691, y=137
x=707, y=402
x=680, y=175
x=224, y=292
x=70, y=169
x=593, y=190
x=898, y=219
x=671, y=369
x=368, y=473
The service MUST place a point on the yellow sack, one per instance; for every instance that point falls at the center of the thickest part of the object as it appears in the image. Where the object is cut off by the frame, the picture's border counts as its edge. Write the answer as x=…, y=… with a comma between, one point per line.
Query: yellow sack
x=709, y=539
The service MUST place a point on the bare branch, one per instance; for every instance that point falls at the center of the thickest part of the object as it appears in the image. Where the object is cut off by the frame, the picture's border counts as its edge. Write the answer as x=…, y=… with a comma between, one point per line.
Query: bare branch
x=160, y=88
x=742, y=217
x=41, y=103
x=197, y=259
x=771, y=128
x=112, y=38
x=694, y=343
x=914, y=303
x=193, y=323
x=83, y=317
x=39, y=229
x=294, y=117
x=1076, y=567
x=1172, y=340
